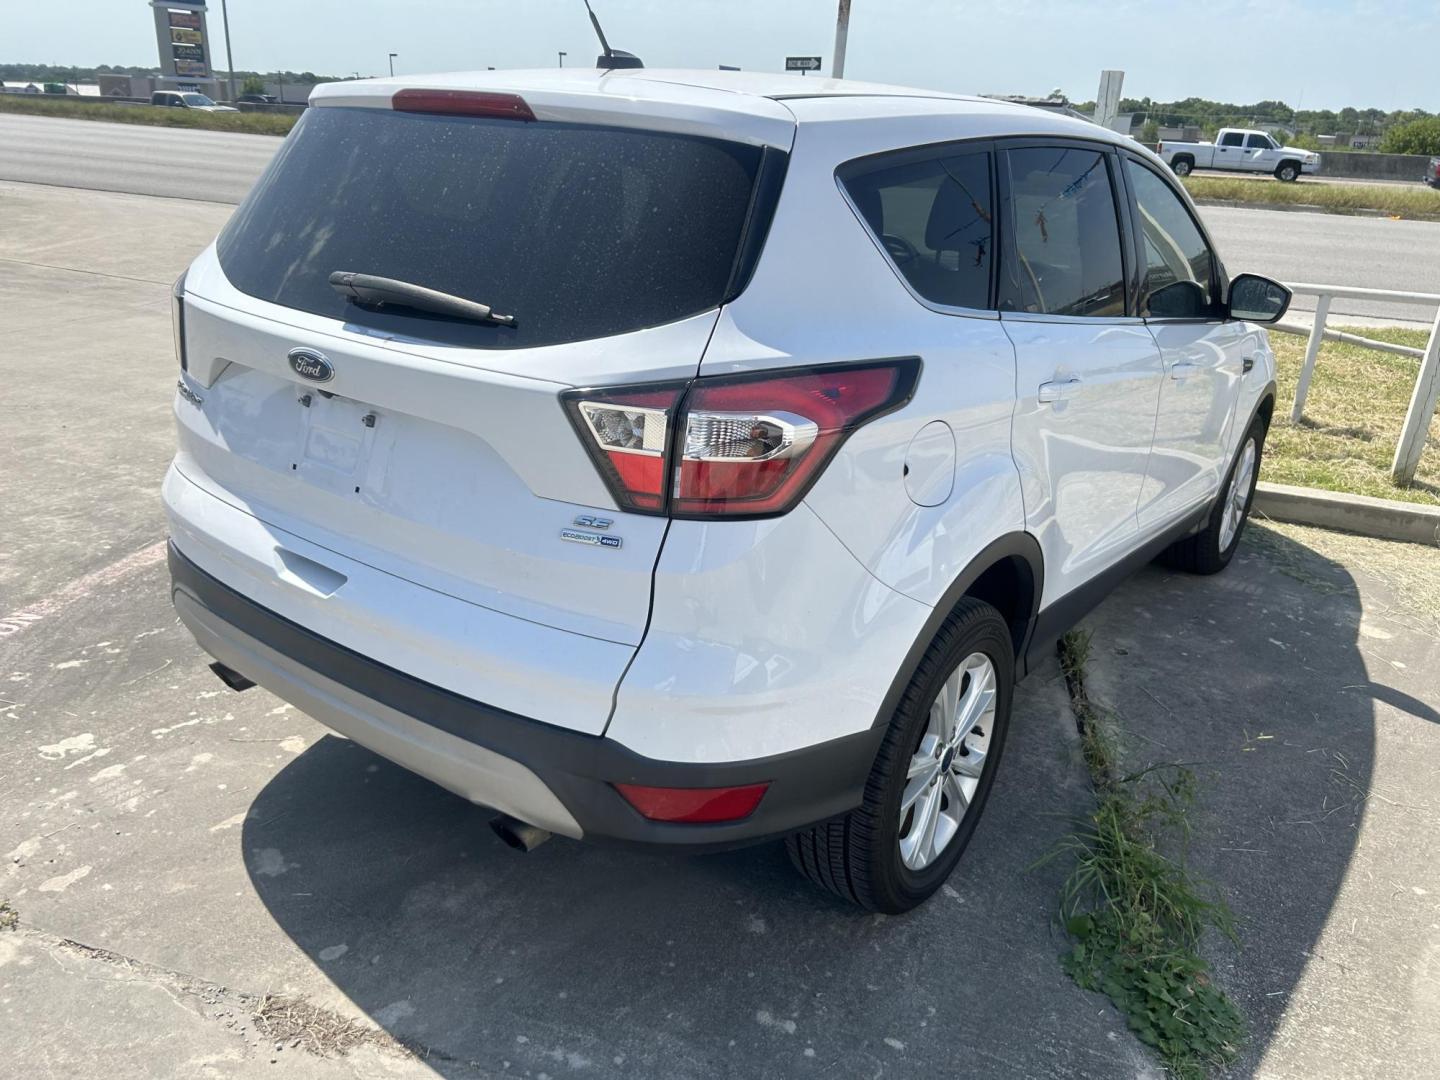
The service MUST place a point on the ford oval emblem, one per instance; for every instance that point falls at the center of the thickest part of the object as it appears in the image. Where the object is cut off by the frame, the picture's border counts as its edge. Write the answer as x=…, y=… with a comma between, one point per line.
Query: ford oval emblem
x=309, y=364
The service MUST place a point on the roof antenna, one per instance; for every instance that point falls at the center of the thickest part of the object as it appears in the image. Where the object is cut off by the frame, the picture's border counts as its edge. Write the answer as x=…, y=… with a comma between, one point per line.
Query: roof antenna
x=610, y=59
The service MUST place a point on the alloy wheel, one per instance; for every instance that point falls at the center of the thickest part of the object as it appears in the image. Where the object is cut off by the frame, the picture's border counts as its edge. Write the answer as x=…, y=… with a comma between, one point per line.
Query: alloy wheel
x=945, y=770
x=1237, y=496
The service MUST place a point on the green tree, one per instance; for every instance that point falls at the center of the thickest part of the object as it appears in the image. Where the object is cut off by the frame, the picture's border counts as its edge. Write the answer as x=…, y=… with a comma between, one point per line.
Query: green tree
x=253, y=84
x=1150, y=133
x=1416, y=137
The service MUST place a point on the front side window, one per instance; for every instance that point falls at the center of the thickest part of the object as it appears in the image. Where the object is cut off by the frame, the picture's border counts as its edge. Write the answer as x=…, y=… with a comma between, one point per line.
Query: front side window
x=1175, y=250
x=198, y=100
x=1259, y=142
x=1065, y=257
x=1232, y=138
x=934, y=217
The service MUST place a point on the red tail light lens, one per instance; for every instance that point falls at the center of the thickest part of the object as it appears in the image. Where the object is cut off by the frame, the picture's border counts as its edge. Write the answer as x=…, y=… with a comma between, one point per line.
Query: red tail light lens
x=627, y=433
x=754, y=445
x=737, y=446
x=694, y=805
x=462, y=103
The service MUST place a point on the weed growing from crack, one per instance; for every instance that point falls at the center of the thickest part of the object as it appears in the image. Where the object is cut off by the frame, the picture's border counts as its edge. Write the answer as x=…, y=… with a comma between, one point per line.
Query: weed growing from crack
x=1134, y=912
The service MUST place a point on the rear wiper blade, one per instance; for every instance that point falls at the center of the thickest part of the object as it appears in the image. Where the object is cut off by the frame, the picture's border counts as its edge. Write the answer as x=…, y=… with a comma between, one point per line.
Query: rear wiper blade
x=373, y=291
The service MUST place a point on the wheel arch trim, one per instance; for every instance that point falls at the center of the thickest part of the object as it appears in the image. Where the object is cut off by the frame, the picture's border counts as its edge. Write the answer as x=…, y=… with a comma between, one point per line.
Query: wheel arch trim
x=1017, y=547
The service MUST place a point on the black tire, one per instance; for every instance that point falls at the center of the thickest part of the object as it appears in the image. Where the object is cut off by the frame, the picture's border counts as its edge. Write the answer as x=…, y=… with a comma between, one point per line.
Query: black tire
x=857, y=856
x=1287, y=172
x=1203, y=552
x=1182, y=166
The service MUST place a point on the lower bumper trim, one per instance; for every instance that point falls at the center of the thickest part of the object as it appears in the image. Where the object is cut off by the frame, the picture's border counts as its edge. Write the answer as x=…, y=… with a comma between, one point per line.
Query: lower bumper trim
x=556, y=779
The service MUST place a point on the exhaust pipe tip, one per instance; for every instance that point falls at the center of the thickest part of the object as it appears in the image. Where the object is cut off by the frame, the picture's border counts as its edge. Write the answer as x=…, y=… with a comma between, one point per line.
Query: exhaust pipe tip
x=518, y=834
x=230, y=677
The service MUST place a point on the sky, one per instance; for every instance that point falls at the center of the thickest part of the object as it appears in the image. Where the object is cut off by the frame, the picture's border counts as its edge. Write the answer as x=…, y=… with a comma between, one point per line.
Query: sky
x=1309, y=53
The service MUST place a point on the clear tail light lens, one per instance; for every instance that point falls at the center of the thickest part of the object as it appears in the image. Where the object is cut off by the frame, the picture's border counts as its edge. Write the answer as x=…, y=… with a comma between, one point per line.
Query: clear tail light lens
x=736, y=446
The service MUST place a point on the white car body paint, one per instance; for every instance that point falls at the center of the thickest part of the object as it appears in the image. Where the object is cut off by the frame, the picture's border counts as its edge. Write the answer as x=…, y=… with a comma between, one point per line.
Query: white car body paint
x=415, y=516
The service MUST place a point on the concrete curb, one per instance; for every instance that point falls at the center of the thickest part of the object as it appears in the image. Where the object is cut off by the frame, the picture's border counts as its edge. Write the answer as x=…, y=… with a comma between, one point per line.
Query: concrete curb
x=1312, y=208
x=1384, y=519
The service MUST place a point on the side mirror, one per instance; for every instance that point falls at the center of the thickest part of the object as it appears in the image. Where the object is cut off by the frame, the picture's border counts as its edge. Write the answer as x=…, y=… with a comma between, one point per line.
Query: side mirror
x=1178, y=300
x=1258, y=299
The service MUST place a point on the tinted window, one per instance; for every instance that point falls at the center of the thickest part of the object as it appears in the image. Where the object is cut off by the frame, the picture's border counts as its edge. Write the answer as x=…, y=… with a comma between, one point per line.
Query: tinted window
x=1257, y=142
x=1066, y=248
x=1232, y=138
x=1175, y=249
x=935, y=219
x=578, y=231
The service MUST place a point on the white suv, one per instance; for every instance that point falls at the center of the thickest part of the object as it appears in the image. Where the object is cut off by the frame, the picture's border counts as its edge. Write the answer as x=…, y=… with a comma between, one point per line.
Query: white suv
x=693, y=458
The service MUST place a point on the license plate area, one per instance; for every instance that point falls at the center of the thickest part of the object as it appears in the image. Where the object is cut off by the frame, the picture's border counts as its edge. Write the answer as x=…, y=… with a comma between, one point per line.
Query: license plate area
x=341, y=445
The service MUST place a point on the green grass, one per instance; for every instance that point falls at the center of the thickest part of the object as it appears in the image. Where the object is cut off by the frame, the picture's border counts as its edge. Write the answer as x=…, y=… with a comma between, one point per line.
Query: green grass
x=1416, y=201
x=1133, y=910
x=9, y=917
x=254, y=123
x=1353, y=415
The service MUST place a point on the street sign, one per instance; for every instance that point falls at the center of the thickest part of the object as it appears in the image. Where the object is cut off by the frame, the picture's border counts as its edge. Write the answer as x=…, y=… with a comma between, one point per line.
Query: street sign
x=802, y=63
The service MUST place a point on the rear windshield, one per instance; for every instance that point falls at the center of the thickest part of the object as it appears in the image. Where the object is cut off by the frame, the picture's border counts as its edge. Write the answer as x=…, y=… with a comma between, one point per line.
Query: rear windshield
x=579, y=231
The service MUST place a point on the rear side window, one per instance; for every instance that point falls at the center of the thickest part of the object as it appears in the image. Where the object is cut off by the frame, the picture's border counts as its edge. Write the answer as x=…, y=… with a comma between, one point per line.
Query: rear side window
x=935, y=218
x=1064, y=258
x=1232, y=138
x=1175, y=249
x=579, y=231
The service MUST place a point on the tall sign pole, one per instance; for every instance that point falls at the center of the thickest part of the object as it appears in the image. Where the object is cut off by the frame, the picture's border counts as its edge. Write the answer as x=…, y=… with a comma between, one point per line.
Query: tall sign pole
x=229, y=60
x=842, y=31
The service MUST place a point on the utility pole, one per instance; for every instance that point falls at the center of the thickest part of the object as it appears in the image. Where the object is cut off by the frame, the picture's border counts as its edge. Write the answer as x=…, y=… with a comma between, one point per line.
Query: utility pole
x=393, y=55
x=562, y=58
x=229, y=59
x=842, y=31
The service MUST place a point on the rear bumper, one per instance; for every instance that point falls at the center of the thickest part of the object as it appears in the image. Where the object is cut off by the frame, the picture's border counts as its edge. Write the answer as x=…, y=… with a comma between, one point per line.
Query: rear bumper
x=558, y=779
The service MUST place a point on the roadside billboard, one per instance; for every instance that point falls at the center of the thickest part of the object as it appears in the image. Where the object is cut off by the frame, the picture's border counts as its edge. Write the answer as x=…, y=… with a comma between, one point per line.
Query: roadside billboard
x=182, y=39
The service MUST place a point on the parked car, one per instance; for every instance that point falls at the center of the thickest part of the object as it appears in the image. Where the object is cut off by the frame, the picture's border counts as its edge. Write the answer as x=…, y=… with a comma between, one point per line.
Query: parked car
x=258, y=99
x=188, y=99
x=1240, y=150
x=698, y=460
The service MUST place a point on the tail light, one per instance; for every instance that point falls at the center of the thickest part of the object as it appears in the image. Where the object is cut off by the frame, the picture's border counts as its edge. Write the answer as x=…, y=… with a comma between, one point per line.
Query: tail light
x=177, y=321
x=734, y=446
x=463, y=103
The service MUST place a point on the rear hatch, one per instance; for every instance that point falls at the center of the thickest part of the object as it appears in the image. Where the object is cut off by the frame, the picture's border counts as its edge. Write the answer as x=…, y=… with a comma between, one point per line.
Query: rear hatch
x=432, y=447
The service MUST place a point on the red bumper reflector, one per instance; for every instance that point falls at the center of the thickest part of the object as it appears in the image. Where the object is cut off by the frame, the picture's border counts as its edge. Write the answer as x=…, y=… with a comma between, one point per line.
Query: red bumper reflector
x=694, y=805
x=462, y=103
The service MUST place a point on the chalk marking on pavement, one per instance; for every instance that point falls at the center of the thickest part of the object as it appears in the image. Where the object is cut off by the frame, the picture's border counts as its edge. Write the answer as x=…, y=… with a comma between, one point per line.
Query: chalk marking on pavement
x=52, y=605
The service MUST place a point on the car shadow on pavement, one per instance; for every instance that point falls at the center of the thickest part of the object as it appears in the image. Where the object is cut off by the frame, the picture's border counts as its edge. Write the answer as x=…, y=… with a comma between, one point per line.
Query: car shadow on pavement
x=628, y=963
x=1255, y=678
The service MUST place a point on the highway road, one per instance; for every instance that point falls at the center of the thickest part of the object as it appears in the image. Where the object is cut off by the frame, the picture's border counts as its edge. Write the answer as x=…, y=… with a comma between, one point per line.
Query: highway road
x=219, y=167
x=180, y=163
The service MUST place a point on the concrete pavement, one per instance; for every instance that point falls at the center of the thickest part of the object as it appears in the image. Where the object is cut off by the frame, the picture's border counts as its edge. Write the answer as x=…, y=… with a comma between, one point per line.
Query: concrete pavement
x=206, y=849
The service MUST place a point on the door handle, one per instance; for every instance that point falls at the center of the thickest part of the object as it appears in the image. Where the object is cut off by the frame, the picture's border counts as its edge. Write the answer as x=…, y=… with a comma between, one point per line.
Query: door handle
x=1183, y=370
x=1061, y=390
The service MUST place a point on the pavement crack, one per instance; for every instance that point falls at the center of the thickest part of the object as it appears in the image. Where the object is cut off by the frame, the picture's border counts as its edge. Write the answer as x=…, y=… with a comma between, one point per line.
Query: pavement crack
x=77, y=270
x=268, y=1023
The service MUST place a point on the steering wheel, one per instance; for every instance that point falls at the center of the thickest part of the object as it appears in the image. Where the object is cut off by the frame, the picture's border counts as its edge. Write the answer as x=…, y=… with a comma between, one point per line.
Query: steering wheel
x=900, y=249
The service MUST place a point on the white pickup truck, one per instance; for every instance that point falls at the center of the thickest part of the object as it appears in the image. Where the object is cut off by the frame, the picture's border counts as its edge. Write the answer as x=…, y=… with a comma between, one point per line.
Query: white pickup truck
x=1240, y=150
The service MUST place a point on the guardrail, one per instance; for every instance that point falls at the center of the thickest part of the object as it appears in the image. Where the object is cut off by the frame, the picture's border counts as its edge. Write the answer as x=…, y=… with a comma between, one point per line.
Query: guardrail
x=1427, y=384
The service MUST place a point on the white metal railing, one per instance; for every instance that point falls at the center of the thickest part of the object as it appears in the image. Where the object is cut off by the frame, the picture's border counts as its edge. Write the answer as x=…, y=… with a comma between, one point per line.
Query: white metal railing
x=1427, y=383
